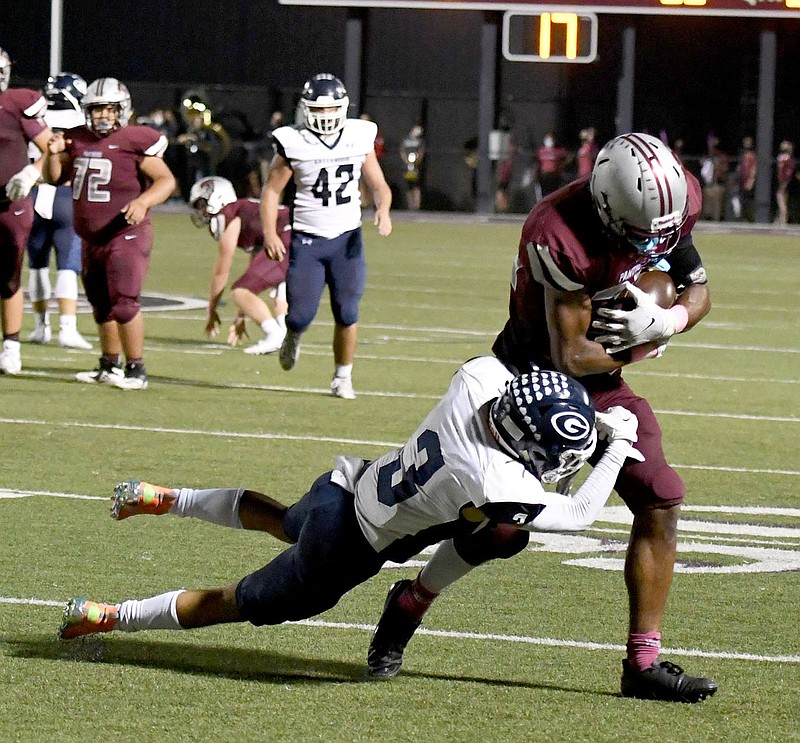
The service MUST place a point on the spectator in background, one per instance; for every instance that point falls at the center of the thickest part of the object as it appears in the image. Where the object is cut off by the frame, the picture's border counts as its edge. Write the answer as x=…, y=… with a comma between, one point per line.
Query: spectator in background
x=551, y=160
x=265, y=150
x=412, y=153
x=505, y=170
x=714, y=172
x=21, y=122
x=367, y=201
x=587, y=152
x=746, y=168
x=786, y=165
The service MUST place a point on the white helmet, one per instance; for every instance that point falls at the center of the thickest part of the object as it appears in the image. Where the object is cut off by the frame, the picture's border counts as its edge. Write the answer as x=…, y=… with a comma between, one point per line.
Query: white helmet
x=324, y=91
x=208, y=196
x=103, y=92
x=639, y=189
x=5, y=70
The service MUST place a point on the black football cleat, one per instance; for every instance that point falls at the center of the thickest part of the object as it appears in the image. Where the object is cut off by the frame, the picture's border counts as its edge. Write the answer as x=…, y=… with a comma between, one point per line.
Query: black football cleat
x=666, y=682
x=392, y=633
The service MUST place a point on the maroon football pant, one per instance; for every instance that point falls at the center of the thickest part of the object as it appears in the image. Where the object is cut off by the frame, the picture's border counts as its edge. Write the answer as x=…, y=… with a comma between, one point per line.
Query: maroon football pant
x=113, y=274
x=16, y=221
x=642, y=485
x=263, y=273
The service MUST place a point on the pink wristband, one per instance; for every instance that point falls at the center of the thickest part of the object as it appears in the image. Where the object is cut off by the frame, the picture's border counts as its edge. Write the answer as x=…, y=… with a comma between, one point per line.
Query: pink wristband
x=681, y=317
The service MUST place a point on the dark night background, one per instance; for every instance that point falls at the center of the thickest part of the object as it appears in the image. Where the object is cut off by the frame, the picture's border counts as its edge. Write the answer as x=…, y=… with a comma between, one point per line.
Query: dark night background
x=693, y=75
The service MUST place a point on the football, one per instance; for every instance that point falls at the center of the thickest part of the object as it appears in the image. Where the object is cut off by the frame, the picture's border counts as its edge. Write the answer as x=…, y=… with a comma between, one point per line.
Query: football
x=657, y=284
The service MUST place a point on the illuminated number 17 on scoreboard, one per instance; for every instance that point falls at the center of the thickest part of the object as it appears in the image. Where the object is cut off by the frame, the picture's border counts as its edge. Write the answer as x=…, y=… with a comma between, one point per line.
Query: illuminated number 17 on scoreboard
x=533, y=36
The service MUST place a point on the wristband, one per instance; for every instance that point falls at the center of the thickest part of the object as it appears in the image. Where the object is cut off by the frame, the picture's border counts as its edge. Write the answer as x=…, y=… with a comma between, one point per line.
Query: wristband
x=681, y=317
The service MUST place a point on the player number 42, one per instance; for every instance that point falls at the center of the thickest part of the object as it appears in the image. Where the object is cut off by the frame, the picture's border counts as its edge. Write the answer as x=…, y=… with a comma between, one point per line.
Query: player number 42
x=322, y=186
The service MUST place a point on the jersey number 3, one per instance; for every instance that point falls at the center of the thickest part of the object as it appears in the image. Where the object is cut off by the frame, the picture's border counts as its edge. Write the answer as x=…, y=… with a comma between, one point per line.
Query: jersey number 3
x=322, y=188
x=414, y=477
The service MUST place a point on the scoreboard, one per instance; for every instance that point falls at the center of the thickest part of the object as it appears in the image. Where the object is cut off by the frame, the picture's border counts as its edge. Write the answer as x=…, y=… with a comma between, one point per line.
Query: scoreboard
x=566, y=31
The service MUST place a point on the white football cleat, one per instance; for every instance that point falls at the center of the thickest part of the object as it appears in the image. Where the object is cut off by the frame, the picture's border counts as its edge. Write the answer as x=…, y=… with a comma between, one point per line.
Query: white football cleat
x=43, y=334
x=104, y=374
x=73, y=339
x=268, y=344
x=343, y=387
x=10, y=359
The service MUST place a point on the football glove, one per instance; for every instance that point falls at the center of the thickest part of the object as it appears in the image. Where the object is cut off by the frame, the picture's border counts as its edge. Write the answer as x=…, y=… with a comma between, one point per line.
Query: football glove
x=619, y=424
x=628, y=328
x=20, y=184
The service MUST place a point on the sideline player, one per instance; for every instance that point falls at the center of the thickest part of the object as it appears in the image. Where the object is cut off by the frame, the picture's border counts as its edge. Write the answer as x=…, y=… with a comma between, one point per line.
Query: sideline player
x=53, y=227
x=474, y=466
x=21, y=122
x=327, y=156
x=236, y=223
x=117, y=173
x=636, y=210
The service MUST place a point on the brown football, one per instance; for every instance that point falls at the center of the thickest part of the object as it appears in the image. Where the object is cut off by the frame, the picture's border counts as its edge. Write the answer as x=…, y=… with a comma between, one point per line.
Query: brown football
x=658, y=285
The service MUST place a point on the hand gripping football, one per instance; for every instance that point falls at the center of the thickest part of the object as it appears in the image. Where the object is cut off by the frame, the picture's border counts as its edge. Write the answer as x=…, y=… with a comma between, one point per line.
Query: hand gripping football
x=656, y=284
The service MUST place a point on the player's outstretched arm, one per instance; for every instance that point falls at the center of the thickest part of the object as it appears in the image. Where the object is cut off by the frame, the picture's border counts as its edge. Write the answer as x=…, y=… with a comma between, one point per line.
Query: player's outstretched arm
x=618, y=427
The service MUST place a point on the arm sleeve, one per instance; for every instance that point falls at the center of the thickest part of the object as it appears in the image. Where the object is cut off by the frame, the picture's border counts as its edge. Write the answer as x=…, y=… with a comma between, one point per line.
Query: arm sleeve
x=685, y=265
x=578, y=512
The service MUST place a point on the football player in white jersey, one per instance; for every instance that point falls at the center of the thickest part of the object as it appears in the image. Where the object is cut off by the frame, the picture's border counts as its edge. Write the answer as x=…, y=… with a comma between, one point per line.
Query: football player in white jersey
x=474, y=466
x=52, y=226
x=327, y=156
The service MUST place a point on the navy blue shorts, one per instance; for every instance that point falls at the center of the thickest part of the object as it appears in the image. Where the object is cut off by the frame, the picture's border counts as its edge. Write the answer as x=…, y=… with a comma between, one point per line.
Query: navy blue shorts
x=316, y=261
x=56, y=233
x=331, y=556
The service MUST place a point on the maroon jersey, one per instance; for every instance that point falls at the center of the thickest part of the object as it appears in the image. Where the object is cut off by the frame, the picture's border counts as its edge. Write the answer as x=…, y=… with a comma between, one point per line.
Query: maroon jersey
x=251, y=235
x=564, y=246
x=106, y=177
x=21, y=121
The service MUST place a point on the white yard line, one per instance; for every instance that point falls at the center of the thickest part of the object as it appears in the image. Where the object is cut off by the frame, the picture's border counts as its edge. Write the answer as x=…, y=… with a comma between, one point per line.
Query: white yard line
x=484, y=637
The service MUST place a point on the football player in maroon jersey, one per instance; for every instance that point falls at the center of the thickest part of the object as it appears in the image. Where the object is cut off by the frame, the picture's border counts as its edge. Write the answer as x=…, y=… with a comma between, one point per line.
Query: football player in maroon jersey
x=117, y=173
x=21, y=112
x=236, y=223
x=635, y=210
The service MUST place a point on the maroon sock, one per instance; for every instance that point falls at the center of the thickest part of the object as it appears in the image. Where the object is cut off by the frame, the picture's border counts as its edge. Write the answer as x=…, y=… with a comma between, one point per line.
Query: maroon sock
x=416, y=600
x=643, y=649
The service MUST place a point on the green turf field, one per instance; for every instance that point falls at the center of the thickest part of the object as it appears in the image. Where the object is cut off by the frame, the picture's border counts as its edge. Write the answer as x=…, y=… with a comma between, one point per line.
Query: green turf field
x=524, y=650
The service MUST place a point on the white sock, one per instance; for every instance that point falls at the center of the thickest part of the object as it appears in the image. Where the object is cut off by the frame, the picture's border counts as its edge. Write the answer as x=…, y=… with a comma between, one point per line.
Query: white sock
x=219, y=505
x=159, y=612
x=66, y=284
x=39, y=284
x=270, y=325
x=68, y=322
x=444, y=568
x=344, y=371
x=281, y=320
x=42, y=318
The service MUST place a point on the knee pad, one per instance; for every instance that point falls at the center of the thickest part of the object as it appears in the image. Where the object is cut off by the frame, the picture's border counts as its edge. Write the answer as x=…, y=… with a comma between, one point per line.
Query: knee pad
x=66, y=284
x=124, y=310
x=500, y=541
x=39, y=284
x=346, y=315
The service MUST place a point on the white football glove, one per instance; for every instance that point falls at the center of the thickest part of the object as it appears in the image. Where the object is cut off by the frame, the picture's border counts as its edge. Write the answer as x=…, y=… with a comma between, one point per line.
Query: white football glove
x=20, y=184
x=626, y=329
x=619, y=424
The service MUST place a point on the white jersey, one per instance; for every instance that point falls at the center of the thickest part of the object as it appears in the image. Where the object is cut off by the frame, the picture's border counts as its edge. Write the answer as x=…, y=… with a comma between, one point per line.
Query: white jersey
x=327, y=170
x=57, y=120
x=450, y=462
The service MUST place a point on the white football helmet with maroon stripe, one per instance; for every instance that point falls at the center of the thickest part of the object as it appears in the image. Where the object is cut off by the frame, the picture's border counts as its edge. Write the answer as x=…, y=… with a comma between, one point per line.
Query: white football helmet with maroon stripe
x=640, y=191
x=107, y=91
x=5, y=70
